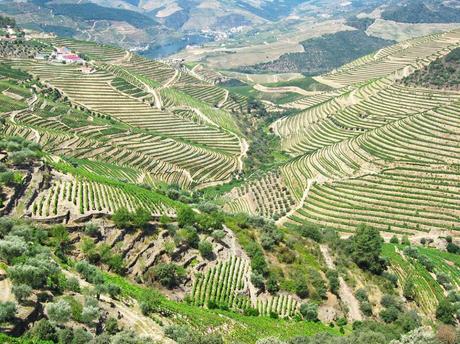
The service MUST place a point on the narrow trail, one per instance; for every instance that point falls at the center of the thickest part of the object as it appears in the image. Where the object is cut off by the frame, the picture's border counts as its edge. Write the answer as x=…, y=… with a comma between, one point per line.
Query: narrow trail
x=345, y=292
x=244, y=151
x=5, y=289
x=286, y=89
x=285, y=218
x=171, y=80
x=222, y=102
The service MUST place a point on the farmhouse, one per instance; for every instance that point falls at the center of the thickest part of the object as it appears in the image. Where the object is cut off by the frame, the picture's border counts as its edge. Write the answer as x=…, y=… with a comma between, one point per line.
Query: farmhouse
x=64, y=54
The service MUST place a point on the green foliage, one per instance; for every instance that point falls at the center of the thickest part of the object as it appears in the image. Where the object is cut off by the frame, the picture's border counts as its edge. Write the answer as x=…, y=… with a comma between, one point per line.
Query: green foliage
x=301, y=287
x=7, y=311
x=185, y=335
x=43, y=330
x=89, y=272
x=366, y=245
x=394, y=240
x=187, y=236
x=7, y=21
x=125, y=219
x=446, y=312
x=59, y=312
x=323, y=53
x=409, y=289
x=309, y=311
x=21, y=292
x=205, y=248
x=334, y=284
x=311, y=232
x=422, y=12
x=186, y=217
x=168, y=275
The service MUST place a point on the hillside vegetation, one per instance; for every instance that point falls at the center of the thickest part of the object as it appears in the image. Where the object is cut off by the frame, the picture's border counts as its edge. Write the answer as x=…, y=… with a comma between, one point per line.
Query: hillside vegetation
x=422, y=11
x=444, y=73
x=141, y=202
x=323, y=54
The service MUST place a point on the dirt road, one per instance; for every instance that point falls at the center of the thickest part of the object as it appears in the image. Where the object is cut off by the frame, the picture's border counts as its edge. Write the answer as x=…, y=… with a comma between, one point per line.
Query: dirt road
x=345, y=292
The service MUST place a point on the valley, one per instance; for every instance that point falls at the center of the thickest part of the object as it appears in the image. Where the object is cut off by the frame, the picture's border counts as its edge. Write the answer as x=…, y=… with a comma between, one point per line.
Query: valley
x=183, y=201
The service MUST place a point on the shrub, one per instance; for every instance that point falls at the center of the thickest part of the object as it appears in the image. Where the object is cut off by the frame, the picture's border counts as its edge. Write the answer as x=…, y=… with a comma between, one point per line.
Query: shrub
x=186, y=217
x=91, y=229
x=366, y=247
x=11, y=247
x=122, y=218
x=36, y=272
x=394, y=240
x=272, y=285
x=21, y=292
x=301, y=287
x=7, y=311
x=111, y=326
x=333, y=278
x=366, y=308
x=81, y=336
x=446, y=312
x=141, y=218
x=59, y=312
x=44, y=330
x=409, y=289
x=187, y=236
x=257, y=280
x=205, y=248
x=218, y=234
x=311, y=232
x=361, y=295
x=89, y=272
x=309, y=311
x=168, y=275
x=405, y=241
x=389, y=314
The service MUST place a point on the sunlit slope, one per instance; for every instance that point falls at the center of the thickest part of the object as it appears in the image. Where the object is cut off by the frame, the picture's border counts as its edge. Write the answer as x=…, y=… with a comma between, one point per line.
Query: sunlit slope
x=162, y=122
x=373, y=152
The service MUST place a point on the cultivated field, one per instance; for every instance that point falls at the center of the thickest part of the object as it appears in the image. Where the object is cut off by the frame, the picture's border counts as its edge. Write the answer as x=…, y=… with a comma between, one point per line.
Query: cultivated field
x=372, y=151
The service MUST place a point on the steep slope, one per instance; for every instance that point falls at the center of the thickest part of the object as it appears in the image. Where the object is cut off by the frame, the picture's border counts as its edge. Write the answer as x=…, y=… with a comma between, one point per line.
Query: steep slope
x=159, y=123
x=373, y=151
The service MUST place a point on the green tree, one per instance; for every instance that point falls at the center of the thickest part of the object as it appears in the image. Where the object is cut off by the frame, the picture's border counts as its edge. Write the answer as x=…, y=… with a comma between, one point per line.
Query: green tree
x=186, y=217
x=446, y=312
x=7, y=311
x=409, y=289
x=122, y=218
x=168, y=275
x=394, y=240
x=59, y=312
x=21, y=292
x=309, y=311
x=205, y=248
x=333, y=277
x=141, y=218
x=366, y=249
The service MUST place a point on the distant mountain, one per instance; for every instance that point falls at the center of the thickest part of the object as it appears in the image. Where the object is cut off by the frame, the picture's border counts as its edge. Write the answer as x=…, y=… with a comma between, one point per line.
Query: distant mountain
x=162, y=27
x=417, y=11
x=323, y=54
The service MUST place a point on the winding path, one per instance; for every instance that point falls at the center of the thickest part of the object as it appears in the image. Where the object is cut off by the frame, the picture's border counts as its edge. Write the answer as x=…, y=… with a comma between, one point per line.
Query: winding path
x=5, y=289
x=345, y=292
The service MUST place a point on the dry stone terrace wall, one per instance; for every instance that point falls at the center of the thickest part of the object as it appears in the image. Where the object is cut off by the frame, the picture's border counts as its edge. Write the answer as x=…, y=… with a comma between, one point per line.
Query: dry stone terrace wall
x=79, y=197
x=413, y=53
x=228, y=284
x=166, y=143
x=374, y=151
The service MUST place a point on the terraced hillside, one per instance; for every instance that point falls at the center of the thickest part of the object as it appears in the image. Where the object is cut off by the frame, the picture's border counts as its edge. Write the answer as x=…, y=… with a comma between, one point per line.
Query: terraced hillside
x=162, y=124
x=371, y=151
